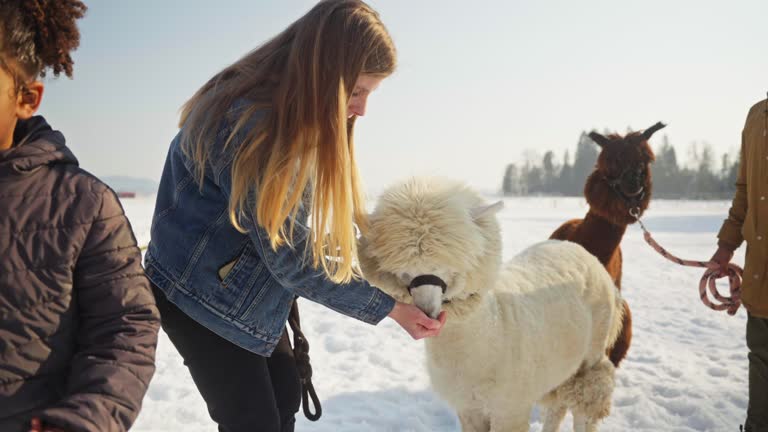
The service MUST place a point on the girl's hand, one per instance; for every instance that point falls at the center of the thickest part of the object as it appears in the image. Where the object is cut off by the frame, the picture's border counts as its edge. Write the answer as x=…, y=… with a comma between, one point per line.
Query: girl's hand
x=36, y=425
x=416, y=322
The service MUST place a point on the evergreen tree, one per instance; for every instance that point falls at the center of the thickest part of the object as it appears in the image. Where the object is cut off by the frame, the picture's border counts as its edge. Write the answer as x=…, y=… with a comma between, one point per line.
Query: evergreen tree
x=565, y=178
x=725, y=168
x=533, y=176
x=707, y=181
x=665, y=172
x=549, y=173
x=733, y=176
x=584, y=163
x=511, y=183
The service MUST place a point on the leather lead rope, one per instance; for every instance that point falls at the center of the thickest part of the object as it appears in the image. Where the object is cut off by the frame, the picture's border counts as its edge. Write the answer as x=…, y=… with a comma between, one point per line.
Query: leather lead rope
x=301, y=354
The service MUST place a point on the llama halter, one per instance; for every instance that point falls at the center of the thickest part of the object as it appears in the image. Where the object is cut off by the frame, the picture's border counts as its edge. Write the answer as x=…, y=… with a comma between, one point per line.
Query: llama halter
x=615, y=184
x=430, y=279
x=427, y=279
x=730, y=304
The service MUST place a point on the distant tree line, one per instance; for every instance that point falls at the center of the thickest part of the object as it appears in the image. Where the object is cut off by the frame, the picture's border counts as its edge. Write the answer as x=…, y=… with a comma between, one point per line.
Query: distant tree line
x=703, y=178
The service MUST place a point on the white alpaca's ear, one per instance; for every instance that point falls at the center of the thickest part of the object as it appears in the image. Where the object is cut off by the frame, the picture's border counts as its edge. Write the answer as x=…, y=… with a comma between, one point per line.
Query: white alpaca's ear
x=490, y=209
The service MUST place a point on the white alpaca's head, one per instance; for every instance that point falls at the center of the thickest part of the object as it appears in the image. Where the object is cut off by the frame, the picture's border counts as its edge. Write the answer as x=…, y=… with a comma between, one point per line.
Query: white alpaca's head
x=433, y=232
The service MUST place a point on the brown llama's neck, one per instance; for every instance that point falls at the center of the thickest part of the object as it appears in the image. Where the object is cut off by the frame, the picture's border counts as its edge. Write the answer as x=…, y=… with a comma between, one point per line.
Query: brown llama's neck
x=599, y=236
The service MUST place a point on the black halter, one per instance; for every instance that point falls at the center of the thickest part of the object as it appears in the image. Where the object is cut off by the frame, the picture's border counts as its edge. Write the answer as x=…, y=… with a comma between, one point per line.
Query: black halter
x=615, y=184
x=427, y=280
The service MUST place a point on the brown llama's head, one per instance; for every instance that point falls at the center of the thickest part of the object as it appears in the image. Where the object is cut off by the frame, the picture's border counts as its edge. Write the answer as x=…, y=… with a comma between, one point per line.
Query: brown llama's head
x=621, y=181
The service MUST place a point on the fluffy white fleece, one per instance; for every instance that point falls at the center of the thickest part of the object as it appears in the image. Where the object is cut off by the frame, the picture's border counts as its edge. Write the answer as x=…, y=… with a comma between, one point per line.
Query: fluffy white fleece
x=534, y=330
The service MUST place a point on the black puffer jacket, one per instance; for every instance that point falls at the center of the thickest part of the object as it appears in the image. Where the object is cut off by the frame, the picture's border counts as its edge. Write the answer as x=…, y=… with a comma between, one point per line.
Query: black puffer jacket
x=78, y=322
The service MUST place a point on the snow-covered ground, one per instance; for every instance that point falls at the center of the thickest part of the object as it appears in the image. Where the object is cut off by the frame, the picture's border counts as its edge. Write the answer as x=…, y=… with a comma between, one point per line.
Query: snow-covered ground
x=686, y=370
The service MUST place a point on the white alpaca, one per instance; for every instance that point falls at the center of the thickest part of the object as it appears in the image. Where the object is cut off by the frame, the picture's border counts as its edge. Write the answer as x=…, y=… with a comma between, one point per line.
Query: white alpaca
x=533, y=331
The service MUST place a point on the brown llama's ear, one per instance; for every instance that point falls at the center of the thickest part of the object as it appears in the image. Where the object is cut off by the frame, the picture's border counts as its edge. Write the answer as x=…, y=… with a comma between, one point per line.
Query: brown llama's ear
x=599, y=139
x=653, y=129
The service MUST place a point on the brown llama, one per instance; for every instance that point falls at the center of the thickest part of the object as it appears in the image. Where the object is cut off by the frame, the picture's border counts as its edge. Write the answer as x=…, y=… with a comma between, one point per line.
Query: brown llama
x=619, y=184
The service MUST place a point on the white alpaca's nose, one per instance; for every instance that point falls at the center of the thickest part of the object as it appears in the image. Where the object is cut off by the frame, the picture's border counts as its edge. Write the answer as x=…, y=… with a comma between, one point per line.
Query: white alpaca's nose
x=428, y=298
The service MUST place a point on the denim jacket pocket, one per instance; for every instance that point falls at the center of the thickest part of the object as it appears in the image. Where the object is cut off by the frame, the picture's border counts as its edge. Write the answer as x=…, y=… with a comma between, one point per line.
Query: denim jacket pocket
x=224, y=271
x=237, y=281
x=229, y=273
x=266, y=309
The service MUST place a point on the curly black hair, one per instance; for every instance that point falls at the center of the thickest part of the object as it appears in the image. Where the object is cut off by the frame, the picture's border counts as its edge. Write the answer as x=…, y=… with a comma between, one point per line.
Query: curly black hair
x=38, y=35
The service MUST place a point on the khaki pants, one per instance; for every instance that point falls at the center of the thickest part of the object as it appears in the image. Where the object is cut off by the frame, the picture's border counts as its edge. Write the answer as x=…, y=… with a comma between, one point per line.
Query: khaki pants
x=757, y=342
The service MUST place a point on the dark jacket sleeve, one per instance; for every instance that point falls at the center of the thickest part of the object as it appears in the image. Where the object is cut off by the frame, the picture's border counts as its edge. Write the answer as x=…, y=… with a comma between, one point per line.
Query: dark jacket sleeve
x=117, y=332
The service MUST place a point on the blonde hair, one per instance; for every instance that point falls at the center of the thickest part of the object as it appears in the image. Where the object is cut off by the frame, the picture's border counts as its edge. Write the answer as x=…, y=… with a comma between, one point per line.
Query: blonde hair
x=302, y=79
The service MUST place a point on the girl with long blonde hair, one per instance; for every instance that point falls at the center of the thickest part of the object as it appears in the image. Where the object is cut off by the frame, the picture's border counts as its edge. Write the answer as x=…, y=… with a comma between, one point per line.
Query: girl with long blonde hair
x=260, y=201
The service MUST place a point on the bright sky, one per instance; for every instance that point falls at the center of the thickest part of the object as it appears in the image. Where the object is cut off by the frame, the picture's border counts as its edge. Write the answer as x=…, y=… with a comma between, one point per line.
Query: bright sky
x=478, y=83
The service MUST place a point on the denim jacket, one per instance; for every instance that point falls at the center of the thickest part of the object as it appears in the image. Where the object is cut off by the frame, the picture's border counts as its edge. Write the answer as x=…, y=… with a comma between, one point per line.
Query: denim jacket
x=235, y=284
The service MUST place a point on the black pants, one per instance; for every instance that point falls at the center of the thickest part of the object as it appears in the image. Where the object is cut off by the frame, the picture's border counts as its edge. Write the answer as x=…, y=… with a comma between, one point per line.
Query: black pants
x=245, y=392
x=757, y=342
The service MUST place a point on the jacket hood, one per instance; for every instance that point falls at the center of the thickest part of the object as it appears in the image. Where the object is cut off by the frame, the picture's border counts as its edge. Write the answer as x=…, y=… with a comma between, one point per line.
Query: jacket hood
x=36, y=145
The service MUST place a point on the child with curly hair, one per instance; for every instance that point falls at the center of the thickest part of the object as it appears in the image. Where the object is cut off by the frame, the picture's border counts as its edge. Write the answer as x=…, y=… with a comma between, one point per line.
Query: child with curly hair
x=78, y=321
